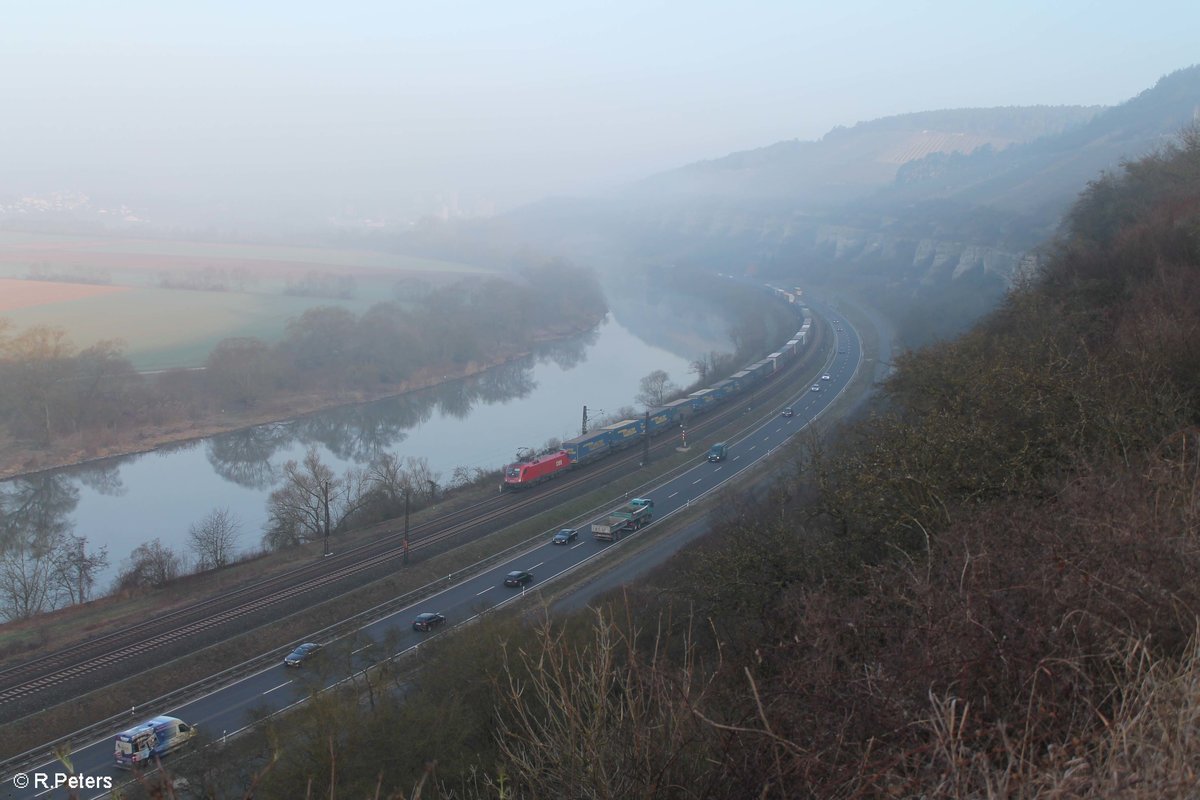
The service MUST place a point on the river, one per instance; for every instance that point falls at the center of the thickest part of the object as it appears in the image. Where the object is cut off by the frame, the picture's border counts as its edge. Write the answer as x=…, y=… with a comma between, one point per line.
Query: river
x=478, y=422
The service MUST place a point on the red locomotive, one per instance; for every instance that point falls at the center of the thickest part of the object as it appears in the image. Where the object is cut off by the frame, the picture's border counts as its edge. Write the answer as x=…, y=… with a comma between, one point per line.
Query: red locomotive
x=535, y=469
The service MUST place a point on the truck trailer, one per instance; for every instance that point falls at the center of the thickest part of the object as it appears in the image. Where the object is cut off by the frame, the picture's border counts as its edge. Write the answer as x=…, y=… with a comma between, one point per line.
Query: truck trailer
x=628, y=517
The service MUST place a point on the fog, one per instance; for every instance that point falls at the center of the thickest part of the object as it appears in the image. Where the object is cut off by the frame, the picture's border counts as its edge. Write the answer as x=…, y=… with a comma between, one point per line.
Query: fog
x=393, y=110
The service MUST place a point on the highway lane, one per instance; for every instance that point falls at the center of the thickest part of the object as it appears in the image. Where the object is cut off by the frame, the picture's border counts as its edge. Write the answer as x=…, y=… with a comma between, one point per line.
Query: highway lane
x=227, y=711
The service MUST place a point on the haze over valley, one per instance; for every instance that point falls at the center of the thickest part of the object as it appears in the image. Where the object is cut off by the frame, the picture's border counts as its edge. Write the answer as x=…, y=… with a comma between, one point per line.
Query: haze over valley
x=599, y=400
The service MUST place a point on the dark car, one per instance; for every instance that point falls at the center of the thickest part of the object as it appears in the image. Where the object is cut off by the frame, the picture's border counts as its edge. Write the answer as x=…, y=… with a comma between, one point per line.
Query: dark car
x=302, y=653
x=518, y=577
x=427, y=621
x=787, y=412
x=565, y=535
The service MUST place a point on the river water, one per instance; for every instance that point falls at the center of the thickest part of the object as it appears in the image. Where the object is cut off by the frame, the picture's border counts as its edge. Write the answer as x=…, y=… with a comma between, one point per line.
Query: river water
x=478, y=422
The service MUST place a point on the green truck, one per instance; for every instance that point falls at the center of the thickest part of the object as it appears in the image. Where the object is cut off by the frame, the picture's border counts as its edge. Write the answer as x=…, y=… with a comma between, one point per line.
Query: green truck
x=629, y=517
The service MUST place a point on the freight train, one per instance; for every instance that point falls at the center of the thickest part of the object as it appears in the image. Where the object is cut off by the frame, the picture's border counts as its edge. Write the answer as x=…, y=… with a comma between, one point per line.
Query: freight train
x=620, y=435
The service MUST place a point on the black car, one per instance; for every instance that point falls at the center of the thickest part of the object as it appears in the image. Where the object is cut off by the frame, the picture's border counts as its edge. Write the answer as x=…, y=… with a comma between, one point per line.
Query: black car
x=518, y=577
x=427, y=621
x=565, y=535
x=302, y=653
x=787, y=412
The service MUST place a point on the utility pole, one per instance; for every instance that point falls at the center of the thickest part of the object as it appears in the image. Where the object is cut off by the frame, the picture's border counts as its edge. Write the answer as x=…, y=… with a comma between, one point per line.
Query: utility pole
x=646, y=441
x=404, y=559
x=325, y=500
x=583, y=431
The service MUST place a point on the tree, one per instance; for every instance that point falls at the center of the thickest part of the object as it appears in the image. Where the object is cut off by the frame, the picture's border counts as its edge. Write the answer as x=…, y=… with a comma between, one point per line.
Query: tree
x=75, y=568
x=655, y=388
x=214, y=538
x=241, y=371
x=38, y=365
x=151, y=564
x=25, y=584
x=313, y=502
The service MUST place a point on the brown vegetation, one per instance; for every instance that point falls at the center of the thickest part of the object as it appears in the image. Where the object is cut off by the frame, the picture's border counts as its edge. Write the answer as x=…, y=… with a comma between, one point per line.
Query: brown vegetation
x=987, y=591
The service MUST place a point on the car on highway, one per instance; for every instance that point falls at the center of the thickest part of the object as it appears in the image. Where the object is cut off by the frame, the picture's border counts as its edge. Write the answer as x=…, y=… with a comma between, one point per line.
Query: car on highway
x=787, y=412
x=427, y=621
x=565, y=536
x=518, y=577
x=826, y=378
x=815, y=388
x=304, y=652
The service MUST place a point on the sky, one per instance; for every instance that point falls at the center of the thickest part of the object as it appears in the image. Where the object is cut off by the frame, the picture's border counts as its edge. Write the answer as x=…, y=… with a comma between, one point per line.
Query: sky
x=391, y=108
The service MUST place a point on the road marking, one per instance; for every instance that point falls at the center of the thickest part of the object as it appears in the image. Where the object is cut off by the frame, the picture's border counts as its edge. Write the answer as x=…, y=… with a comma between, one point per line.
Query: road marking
x=753, y=446
x=280, y=686
x=672, y=494
x=766, y=438
x=735, y=458
x=697, y=481
x=359, y=650
x=488, y=589
x=535, y=566
x=581, y=544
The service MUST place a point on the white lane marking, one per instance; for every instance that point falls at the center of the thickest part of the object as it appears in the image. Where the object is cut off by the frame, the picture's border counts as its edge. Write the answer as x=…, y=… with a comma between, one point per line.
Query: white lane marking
x=280, y=686
x=697, y=481
x=735, y=458
x=766, y=438
x=672, y=494
x=535, y=566
x=359, y=650
x=581, y=544
x=488, y=589
x=753, y=446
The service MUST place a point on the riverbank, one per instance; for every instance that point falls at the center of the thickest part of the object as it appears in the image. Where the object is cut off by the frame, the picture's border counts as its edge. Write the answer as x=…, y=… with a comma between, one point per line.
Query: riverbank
x=19, y=459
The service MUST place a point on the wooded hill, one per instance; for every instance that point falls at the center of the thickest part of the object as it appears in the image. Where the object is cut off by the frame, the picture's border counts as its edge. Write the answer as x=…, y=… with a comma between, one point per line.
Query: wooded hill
x=986, y=590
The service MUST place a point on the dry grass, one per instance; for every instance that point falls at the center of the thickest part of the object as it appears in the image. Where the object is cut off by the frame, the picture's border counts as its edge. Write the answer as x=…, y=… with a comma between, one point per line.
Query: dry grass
x=1148, y=749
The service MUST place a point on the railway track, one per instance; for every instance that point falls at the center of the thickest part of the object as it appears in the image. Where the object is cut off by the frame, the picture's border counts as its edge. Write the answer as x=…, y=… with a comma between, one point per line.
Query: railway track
x=63, y=668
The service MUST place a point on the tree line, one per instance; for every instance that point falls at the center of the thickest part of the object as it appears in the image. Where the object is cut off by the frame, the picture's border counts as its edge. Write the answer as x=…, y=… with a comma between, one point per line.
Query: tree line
x=50, y=390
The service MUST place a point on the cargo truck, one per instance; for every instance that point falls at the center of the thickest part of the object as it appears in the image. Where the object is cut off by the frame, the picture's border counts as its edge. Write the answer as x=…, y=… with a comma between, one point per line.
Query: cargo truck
x=628, y=517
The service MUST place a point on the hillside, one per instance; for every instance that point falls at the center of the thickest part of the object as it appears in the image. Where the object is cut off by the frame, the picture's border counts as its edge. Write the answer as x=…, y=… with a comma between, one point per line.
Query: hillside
x=987, y=590
x=848, y=163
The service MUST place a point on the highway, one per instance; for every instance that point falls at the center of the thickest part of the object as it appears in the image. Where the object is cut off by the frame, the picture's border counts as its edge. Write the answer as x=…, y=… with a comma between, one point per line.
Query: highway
x=225, y=711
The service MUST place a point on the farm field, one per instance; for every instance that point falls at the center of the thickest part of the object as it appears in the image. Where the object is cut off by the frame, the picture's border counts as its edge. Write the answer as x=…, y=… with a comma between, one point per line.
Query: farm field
x=21, y=250
x=114, y=289
x=164, y=328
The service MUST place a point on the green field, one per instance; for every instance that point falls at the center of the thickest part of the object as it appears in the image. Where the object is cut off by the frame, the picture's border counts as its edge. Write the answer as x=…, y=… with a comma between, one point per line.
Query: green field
x=163, y=328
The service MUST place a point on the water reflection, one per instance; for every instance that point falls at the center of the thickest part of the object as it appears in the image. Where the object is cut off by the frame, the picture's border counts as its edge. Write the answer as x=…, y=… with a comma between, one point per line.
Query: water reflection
x=360, y=433
x=35, y=512
x=457, y=428
x=244, y=457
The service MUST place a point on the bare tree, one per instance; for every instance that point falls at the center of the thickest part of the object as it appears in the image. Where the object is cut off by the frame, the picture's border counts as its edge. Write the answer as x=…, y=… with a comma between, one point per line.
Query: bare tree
x=150, y=564
x=461, y=476
x=214, y=538
x=655, y=388
x=421, y=479
x=313, y=502
x=26, y=584
x=75, y=568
